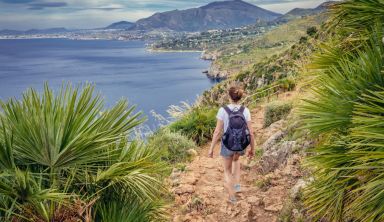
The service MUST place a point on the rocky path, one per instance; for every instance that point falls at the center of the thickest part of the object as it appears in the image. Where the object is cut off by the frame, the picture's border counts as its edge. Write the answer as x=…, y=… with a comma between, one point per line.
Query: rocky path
x=200, y=195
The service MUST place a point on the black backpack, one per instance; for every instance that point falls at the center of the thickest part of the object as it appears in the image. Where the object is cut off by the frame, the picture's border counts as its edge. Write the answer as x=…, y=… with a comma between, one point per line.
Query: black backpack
x=237, y=136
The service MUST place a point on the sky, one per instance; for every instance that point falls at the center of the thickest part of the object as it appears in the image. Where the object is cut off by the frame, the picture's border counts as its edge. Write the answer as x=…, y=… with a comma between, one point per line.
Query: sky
x=74, y=14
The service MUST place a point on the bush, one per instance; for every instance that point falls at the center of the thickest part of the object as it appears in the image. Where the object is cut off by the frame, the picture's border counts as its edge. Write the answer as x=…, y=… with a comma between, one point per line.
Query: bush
x=197, y=125
x=311, y=31
x=61, y=154
x=303, y=39
x=276, y=111
x=287, y=84
x=174, y=145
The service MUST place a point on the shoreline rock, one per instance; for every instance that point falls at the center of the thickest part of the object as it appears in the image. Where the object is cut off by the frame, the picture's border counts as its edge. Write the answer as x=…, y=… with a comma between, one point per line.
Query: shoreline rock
x=215, y=73
x=210, y=56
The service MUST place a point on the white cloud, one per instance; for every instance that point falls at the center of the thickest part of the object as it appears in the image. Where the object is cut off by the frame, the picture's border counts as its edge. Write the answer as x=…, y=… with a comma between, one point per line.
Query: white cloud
x=285, y=7
x=99, y=13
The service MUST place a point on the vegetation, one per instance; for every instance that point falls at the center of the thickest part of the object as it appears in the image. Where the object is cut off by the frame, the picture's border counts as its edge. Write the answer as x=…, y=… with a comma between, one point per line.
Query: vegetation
x=198, y=124
x=346, y=112
x=278, y=73
x=174, y=145
x=238, y=56
x=211, y=39
x=276, y=111
x=64, y=156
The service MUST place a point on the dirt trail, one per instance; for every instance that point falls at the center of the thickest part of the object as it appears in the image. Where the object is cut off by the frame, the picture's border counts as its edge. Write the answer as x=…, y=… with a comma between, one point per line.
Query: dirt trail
x=200, y=195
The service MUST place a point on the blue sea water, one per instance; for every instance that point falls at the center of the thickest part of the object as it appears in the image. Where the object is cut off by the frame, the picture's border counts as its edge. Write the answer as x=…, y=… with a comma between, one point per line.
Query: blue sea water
x=119, y=69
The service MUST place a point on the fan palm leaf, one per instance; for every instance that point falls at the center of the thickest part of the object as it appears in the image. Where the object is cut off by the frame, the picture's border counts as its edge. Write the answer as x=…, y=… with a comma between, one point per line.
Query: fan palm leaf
x=62, y=145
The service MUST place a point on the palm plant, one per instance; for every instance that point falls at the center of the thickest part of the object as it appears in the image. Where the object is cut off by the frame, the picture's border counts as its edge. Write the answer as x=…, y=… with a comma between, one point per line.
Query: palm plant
x=346, y=113
x=64, y=153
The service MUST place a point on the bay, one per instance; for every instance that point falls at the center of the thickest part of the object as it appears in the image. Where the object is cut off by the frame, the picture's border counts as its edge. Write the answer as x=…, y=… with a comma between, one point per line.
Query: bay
x=119, y=69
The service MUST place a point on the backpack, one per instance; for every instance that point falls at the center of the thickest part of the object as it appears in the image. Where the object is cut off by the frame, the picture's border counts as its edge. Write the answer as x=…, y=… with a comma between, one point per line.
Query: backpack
x=237, y=136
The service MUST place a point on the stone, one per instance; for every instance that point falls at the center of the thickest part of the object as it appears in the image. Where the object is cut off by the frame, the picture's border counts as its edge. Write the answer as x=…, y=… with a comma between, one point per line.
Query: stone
x=175, y=173
x=295, y=191
x=274, y=208
x=296, y=214
x=175, y=182
x=276, y=156
x=190, y=179
x=184, y=189
x=272, y=140
x=255, y=201
x=192, y=152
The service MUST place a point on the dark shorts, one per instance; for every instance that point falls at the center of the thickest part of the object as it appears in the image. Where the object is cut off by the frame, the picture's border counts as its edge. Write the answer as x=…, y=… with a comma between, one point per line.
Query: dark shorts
x=226, y=153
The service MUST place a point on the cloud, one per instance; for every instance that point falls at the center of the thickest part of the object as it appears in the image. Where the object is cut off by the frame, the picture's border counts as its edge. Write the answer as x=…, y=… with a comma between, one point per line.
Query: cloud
x=42, y=5
x=288, y=5
x=17, y=1
x=17, y=14
x=109, y=7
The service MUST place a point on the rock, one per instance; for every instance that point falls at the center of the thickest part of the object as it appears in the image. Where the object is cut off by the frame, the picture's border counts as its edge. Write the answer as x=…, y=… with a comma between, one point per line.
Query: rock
x=276, y=155
x=214, y=72
x=271, y=141
x=184, y=189
x=175, y=182
x=255, y=201
x=295, y=191
x=192, y=152
x=296, y=214
x=209, y=55
x=191, y=179
x=274, y=208
x=175, y=173
x=308, y=144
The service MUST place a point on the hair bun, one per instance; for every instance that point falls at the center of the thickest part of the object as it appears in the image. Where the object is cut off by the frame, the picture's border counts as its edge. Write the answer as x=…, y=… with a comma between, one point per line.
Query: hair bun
x=235, y=93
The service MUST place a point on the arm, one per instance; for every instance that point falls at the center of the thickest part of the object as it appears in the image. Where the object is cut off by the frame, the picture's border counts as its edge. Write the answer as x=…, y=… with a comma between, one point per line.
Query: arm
x=251, y=152
x=216, y=136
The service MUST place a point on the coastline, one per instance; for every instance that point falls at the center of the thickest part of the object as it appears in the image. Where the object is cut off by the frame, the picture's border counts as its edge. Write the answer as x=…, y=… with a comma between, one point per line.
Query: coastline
x=183, y=70
x=170, y=50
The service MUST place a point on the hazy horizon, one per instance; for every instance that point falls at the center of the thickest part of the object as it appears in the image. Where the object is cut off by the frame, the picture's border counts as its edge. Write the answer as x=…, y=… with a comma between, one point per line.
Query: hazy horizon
x=75, y=14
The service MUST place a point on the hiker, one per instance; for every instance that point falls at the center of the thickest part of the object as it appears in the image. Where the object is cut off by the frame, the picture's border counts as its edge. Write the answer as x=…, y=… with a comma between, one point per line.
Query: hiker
x=235, y=121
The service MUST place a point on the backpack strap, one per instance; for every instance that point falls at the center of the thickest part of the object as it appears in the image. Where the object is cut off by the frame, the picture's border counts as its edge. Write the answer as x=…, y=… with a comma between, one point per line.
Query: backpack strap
x=241, y=110
x=228, y=110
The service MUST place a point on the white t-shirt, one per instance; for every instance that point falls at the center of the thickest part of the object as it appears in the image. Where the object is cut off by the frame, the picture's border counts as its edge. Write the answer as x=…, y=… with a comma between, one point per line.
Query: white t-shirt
x=223, y=115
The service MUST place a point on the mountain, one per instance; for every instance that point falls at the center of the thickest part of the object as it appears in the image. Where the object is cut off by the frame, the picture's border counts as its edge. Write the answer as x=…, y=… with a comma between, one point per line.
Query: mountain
x=216, y=15
x=300, y=12
x=120, y=25
x=34, y=31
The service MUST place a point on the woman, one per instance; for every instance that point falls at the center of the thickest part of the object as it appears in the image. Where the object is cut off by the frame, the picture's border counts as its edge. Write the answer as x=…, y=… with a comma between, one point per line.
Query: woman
x=230, y=158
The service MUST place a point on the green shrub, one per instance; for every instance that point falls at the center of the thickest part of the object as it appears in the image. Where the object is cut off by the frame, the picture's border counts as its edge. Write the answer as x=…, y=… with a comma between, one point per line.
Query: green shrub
x=60, y=152
x=311, y=31
x=174, y=145
x=287, y=84
x=130, y=211
x=276, y=111
x=197, y=125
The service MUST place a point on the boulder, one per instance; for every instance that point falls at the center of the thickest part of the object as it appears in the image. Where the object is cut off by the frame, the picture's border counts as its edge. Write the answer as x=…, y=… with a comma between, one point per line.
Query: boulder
x=275, y=156
x=295, y=191
x=272, y=140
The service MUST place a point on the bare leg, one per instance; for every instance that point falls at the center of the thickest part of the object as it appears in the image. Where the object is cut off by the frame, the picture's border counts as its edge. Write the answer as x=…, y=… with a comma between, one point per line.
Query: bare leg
x=236, y=169
x=228, y=178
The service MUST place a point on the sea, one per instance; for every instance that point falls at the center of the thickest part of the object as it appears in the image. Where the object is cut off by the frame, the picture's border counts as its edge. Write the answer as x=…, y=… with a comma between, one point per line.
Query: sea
x=119, y=69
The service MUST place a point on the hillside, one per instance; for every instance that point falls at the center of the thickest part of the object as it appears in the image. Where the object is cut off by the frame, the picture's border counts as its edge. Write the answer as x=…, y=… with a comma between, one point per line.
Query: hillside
x=216, y=15
x=237, y=56
x=34, y=31
x=120, y=25
x=297, y=13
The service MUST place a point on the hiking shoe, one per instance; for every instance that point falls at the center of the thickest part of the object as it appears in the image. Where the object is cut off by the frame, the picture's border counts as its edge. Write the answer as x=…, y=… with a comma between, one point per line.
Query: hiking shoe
x=237, y=188
x=232, y=200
